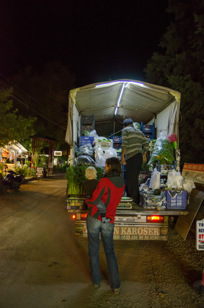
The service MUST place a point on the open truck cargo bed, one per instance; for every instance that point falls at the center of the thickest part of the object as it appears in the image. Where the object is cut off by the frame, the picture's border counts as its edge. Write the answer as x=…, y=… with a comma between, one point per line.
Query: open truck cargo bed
x=110, y=102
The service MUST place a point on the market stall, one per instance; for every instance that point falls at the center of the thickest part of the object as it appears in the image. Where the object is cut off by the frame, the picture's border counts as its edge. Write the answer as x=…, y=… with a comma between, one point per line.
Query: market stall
x=12, y=155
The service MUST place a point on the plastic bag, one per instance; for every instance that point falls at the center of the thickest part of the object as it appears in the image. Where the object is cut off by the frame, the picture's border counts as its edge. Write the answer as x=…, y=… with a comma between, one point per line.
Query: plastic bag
x=102, y=139
x=93, y=133
x=102, y=154
x=155, y=180
x=174, y=180
x=188, y=184
x=84, y=160
x=163, y=151
x=144, y=187
x=86, y=149
x=137, y=125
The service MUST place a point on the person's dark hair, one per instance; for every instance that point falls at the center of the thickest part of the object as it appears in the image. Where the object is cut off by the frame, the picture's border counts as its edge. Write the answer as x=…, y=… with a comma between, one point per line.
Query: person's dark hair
x=114, y=163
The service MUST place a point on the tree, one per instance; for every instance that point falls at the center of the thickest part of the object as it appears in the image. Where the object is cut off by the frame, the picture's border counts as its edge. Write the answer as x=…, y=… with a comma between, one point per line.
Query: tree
x=46, y=96
x=13, y=126
x=180, y=66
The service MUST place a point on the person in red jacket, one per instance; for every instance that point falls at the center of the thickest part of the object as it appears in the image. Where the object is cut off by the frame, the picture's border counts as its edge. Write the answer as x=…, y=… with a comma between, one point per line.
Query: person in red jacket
x=108, y=194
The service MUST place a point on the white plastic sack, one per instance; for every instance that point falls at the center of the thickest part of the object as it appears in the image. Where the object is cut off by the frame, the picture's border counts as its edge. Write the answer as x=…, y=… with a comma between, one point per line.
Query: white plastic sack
x=85, y=149
x=102, y=154
x=174, y=180
x=93, y=133
x=155, y=180
x=188, y=184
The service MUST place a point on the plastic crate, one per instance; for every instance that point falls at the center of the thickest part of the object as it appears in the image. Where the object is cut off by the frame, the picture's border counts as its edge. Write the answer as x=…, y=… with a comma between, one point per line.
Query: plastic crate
x=149, y=200
x=87, y=120
x=87, y=128
x=74, y=203
x=85, y=140
x=117, y=146
x=148, y=130
x=176, y=199
x=164, y=169
x=117, y=139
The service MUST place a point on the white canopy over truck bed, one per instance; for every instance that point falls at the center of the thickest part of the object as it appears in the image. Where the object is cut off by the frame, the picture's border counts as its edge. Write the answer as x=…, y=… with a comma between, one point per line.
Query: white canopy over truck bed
x=112, y=101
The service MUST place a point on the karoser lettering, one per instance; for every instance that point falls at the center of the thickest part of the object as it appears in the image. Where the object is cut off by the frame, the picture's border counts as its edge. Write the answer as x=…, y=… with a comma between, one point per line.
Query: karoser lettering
x=136, y=230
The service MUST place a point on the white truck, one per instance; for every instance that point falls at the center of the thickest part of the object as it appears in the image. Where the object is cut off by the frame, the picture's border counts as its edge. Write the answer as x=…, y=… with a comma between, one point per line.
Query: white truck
x=110, y=102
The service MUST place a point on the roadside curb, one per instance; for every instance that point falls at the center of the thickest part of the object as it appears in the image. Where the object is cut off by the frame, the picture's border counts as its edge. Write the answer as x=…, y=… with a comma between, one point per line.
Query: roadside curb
x=50, y=176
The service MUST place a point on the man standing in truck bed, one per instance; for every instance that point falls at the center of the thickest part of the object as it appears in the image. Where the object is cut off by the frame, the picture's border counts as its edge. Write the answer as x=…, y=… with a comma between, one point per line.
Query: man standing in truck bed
x=134, y=148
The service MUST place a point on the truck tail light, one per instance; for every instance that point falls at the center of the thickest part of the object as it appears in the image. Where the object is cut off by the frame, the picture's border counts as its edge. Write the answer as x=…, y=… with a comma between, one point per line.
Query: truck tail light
x=155, y=219
x=83, y=216
x=79, y=216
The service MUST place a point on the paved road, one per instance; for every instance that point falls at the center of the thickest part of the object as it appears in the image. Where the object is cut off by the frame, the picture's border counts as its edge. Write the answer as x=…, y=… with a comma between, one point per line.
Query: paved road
x=43, y=264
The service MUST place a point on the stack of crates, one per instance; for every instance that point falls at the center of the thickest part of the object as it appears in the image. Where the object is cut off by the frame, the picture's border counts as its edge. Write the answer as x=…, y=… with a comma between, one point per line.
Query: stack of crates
x=148, y=131
x=87, y=123
x=117, y=140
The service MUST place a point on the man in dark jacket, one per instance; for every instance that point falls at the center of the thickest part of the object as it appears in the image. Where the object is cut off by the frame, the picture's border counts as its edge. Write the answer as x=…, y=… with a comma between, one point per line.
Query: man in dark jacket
x=134, y=149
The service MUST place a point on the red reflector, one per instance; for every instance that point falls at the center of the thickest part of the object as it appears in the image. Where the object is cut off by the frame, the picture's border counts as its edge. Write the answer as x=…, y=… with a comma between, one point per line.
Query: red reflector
x=73, y=216
x=155, y=218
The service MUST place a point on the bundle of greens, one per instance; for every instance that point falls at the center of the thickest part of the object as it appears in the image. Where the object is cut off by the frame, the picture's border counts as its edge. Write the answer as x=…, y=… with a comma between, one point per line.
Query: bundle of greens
x=76, y=177
x=163, y=152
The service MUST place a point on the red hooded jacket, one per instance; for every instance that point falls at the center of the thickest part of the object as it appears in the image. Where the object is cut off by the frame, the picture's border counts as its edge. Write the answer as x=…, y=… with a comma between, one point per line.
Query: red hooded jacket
x=110, y=190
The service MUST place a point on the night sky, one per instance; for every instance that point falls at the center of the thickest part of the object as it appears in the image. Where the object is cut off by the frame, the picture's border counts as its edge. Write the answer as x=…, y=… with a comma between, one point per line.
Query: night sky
x=97, y=40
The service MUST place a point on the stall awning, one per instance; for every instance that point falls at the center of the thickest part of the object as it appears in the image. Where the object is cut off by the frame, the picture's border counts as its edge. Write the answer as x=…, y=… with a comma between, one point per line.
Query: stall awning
x=16, y=146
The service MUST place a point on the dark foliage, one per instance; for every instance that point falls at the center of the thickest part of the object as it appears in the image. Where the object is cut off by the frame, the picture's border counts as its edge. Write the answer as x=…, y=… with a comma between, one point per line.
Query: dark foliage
x=180, y=66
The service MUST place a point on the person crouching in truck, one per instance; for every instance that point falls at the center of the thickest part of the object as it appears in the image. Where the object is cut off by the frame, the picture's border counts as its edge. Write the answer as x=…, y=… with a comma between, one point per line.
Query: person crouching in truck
x=134, y=148
x=107, y=194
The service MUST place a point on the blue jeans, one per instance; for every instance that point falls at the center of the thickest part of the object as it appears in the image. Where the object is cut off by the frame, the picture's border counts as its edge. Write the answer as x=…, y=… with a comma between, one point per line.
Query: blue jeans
x=94, y=228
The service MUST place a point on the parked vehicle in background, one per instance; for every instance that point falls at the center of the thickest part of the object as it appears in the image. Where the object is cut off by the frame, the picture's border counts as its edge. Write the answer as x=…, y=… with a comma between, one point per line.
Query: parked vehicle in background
x=11, y=181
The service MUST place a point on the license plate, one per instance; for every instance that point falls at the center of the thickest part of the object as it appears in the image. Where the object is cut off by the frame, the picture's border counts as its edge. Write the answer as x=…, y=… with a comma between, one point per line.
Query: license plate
x=138, y=218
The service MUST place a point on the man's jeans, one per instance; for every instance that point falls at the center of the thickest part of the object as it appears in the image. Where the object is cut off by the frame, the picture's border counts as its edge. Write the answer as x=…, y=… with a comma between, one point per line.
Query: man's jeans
x=94, y=228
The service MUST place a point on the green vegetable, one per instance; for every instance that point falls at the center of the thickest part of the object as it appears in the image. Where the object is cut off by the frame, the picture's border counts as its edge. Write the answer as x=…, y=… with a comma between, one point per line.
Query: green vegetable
x=86, y=133
x=157, y=192
x=163, y=152
x=76, y=177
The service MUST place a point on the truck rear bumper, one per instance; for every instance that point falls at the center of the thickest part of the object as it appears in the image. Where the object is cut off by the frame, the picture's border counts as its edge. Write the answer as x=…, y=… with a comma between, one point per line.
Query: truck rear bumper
x=128, y=231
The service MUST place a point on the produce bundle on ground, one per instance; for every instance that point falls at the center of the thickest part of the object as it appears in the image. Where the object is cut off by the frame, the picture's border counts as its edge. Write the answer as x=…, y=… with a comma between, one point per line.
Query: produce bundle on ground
x=163, y=152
